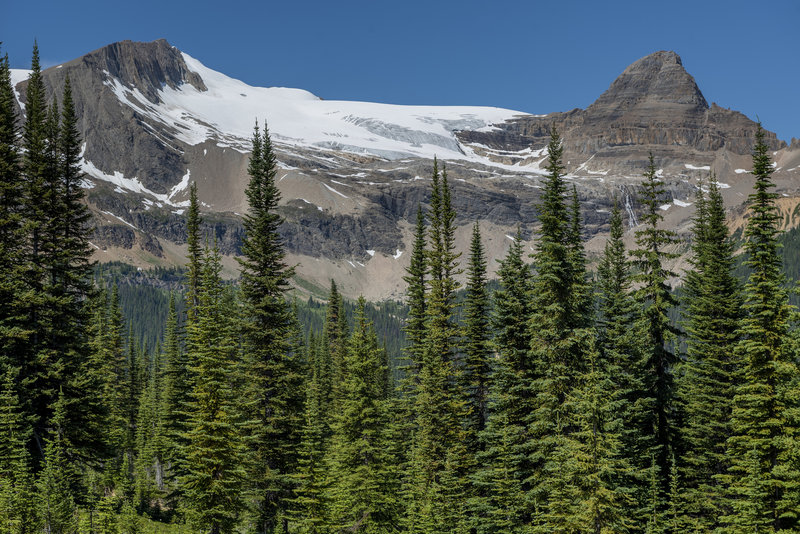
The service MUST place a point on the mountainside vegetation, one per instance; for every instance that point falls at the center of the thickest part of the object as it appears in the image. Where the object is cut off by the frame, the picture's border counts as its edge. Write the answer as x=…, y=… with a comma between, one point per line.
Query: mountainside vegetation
x=553, y=400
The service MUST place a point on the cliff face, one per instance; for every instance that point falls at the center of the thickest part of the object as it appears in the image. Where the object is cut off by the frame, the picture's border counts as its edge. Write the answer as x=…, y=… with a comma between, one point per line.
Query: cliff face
x=348, y=208
x=653, y=106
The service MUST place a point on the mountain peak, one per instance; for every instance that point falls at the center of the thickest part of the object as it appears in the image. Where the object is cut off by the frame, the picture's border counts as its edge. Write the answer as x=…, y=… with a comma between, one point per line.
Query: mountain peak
x=656, y=82
x=148, y=66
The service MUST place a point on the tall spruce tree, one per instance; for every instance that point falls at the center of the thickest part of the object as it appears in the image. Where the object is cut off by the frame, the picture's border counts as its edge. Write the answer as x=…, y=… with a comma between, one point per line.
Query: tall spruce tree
x=557, y=341
x=309, y=507
x=195, y=251
x=13, y=331
x=655, y=298
x=214, y=455
x=505, y=467
x=436, y=404
x=361, y=471
x=707, y=376
x=764, y=471
x=620, y=344
x=275, y=375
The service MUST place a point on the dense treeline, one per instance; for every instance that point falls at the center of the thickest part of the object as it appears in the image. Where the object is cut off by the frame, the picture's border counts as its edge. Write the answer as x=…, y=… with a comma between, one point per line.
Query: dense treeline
x=560, y=402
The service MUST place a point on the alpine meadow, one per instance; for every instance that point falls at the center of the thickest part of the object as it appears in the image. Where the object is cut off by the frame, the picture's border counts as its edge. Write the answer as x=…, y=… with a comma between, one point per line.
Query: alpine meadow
x=639, y=378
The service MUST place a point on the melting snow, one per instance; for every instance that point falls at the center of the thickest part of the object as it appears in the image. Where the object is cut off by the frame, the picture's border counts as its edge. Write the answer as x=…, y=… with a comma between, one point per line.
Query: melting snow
x=695, y=168
x=120, y=219
x=741, y=171
x=681, y=203
x=335, y=191
x=397, y=254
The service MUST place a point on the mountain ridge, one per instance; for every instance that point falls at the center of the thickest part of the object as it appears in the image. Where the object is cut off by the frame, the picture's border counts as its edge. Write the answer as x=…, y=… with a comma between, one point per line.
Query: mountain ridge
x=352, y=174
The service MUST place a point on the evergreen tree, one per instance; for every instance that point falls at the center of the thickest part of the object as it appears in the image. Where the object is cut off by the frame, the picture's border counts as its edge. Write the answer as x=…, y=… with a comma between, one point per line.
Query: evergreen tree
x=656, y=300
x=500, y=503
x=557, y=341
x=214, y=456
x=620, y=344
x=437, y=405
x=275, y=375
x=57, y=501
x=310, y=505
x=13, y=331
x=18, y=503
x=707, y=383
x=764, y=471
x=475, y=374
x=195, y=251
x=363, y=479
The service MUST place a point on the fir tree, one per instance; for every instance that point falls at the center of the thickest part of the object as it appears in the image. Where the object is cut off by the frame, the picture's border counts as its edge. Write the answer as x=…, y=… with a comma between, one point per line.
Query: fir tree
x=764, y=473
x=656, y=300
x=275, y=375
x=309, y=507
x=436, y=403
x=505, y=467
x=13, y=331
x=214, y=453
x=18, y=498
x=195, y=252
x=557, y=344
x=706, y=386
x=57, y=501
x=361, y=495
x=620, y=343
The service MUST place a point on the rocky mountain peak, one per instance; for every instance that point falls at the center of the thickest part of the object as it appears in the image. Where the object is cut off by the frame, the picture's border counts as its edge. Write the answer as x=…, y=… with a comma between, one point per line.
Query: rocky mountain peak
x=657, y=81
x=146, y=66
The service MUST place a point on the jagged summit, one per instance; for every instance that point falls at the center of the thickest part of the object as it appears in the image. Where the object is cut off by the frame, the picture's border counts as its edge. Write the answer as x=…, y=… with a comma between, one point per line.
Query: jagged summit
x=147, y=66
x=655, y=83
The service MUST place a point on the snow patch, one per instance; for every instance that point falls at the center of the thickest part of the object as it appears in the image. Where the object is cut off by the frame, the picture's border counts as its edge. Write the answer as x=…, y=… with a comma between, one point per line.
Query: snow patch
x=681, y=203
x=741, y=171
x=120, y=219
x=397, y=254
x=371, y=253
x=695, y=168
x=335, y=191
x=665, y=207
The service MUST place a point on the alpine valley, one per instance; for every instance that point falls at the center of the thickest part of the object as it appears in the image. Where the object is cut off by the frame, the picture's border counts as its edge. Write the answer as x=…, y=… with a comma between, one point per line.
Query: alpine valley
x=352, y=174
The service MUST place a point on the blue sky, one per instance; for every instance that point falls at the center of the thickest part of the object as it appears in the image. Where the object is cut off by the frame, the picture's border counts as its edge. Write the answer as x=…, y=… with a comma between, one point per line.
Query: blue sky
x=530, y=56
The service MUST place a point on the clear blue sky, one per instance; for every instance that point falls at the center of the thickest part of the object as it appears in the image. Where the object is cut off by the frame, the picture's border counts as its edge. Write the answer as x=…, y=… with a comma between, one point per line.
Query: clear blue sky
x=530, y=56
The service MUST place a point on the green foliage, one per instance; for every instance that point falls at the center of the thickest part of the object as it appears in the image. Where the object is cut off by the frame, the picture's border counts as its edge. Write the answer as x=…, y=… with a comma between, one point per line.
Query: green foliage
x=214, y=456
x=764, y=473
x=707, y=376
x=654, y=296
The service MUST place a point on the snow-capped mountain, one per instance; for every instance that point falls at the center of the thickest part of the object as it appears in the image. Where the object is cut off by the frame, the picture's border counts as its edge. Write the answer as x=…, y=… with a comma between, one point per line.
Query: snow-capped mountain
x=353, y=174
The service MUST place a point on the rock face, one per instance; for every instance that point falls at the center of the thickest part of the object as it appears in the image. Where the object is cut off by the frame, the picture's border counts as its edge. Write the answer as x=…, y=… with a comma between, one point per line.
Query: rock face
x=349, y=211
x=653, y=106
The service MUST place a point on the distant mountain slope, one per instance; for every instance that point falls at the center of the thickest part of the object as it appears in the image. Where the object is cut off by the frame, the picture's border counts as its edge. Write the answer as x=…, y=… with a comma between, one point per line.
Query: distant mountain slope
x=353, y=174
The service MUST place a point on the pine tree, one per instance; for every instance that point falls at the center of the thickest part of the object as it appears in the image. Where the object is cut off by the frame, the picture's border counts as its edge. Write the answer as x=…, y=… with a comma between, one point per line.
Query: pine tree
x=195, y=251
x=275, y=375
x=656, y=300
x=706, y=386
x=13, y=331
x=308, y=509
x=764, y=473
x=363, y=479
x=57, y=501
x=500, y=503
x=620, y=343
x=214, y=455
x=18, y=502
x=436, y=402
x=557, y=341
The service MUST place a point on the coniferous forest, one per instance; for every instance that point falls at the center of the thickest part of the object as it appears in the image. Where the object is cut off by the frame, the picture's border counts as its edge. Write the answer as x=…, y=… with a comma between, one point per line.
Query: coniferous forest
x=561, y=400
